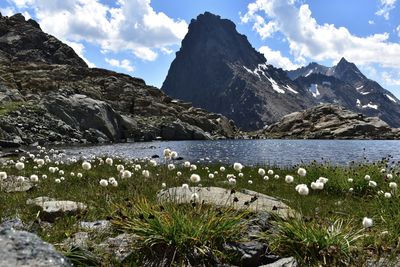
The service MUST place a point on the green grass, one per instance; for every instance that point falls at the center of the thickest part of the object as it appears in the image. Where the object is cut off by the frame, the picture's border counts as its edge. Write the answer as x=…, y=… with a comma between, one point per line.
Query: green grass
x=177, y=227
x=10, y=107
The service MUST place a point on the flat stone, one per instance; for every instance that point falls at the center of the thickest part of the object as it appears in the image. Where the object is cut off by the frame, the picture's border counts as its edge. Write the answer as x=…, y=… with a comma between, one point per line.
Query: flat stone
x=221, y=197
x=23, y=249
x=80, y=240
x=101, y=225
x=284, y=262
x=12, y=185
x=120, y=246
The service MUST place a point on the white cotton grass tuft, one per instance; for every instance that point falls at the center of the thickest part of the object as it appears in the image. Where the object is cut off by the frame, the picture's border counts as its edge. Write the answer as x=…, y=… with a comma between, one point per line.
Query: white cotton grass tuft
x=174, y=154
x=194, y=197
x=270, y=172
x=79, y=175
x=57, y=181
x=276, y=176
x=250, y=182
x=19, y=166
x=232, y=181
x=34, y=178
x=163, y=185
x=240, y=174
x=317, y=185
x=103, y=182
x=195, y=178
x=367, y=222
x=3, y=175
x=178, y=174
x=350, y=180
x=387, y=195
x=186, y=164
x=109, y=161
x=126, y=174
x=393, y=185
x=367, y=177
x=289, y=179
x=322, y=180
x=153, y=163
x=86, y=165
x=261, y=171
x=302, y=189
x=222, y=169
x=372, y=184
x=185, y=186
x=389, y=176
x=302, y=172
x=211, y=176
x=193, y=167
x=266, y=178
x=171, y=166
x=237, y=166
x=120, y=167
x=146, y=173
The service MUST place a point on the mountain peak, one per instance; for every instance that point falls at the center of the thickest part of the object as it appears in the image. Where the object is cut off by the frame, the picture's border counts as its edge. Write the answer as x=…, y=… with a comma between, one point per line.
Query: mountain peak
x=348, y=71
x=343, y=61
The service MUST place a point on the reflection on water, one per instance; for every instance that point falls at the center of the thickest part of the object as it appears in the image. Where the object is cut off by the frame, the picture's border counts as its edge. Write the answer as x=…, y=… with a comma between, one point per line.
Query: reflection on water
x=253, y=152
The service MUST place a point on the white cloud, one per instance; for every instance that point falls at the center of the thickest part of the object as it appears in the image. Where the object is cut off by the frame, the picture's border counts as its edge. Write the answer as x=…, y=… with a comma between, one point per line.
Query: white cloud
x=275, y=58
x=371, y=22
x=385, y=8
x=8, y=11
x=398, y=30
x=123, y=64
x=389, y=79
x=131, y=26
x=79, y=50
x=309, y=40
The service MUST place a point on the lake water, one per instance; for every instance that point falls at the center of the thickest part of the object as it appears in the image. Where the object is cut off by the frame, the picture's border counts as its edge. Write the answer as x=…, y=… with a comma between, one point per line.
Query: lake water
x=253, y=152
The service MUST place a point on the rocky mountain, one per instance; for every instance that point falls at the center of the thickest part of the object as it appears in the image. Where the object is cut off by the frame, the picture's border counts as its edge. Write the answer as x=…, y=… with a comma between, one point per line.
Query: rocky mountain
x=48, y=94
x=217, y=69
x=344, y=84
x=330, y=121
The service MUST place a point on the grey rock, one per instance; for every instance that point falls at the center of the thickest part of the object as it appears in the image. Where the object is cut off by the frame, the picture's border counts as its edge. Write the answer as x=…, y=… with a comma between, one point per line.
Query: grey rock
x=12, y=184
x=101, y=225
x=243, y=199
x=251, y=253
x=23, y=249
x=51, y=209
x=13, y=223
x=284, y=262
x=120, y=246
x=79, y=239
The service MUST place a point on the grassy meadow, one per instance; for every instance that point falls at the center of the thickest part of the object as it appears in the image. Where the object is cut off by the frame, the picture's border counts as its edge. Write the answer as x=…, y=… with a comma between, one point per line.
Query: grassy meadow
x=351, y=216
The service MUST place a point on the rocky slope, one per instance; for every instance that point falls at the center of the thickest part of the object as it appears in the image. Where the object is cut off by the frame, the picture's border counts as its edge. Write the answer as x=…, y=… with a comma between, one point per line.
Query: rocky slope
x=330, y=122
x=48, y=94
x=344, y=84
x=217, y=69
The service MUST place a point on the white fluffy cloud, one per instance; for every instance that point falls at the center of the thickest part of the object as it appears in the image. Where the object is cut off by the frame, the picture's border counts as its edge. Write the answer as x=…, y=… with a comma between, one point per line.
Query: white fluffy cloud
x=309, y=40
x=398, y=30
x=123, y=64
x=133, y=25
x=385, y=7
x=80, y=49
x=277, y=59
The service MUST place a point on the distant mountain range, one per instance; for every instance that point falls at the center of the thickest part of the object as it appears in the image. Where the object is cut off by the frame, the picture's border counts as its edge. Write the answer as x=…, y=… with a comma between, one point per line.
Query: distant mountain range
x=217, y=69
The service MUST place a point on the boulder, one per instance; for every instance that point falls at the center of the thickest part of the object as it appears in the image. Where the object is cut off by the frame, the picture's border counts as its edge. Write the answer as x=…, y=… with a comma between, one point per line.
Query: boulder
x=120, y=246
x=51, y=209
x=221, y=197
x=284, y=262
x=12, y=184
x=23, y=249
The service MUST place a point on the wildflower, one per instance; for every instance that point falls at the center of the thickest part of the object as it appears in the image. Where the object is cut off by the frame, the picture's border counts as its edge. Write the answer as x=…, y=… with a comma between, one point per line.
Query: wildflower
x=44, y=176
x=302, y=172
x=387, y=195
x=250, y=181
x=261, y=172
x=380, y=192
x=185, y=186
x=289, y=179
x=52, y=169
x=270, y=172
x=146, y=173
x=57, y=181
x=194, y=197
x=126, y=174
x=138, y=167
x=109, y=161
x=372, y=184
x=389, y=176
x=367, y=177
x=62, y=178
x=178, y=174
x=72, y=174
x=317, y=185
x=232, y=181
x=351, y=189
x=163, y=185
x=195, y=178
x=222, y=169
x=86, y=165
x=120, y=168
x=193, y=167
x=367, y=222
x=171, y=167
x=186, y=164
x=61, y=172
x=276, y=176
x=34, y=178
x=302, y=189
x=40, y=162
x=3, y=175
x=240, y=174
x=211, y=176
x=393, y=185
x=79, y=175
x=266, y=178
x=323, y=180
x=383, y=170
x=237, y=166
x=167, y=152
x=350, y=180
x=19, y=166
x=103, y=182
x=153, y=163
x=174, y=154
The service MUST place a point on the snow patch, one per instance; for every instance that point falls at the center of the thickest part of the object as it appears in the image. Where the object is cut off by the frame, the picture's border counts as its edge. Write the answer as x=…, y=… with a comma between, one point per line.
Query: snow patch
x=275, y=86
x=360, y=87
x=326, y=83
x=308, y=74
x=370, y=105
x=291, y=89
x=358, y=103
x=391, y=98
x=314, y=90
x=365, y=93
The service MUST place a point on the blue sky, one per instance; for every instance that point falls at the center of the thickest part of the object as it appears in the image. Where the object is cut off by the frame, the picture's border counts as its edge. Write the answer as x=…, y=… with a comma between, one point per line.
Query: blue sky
x=140, y=37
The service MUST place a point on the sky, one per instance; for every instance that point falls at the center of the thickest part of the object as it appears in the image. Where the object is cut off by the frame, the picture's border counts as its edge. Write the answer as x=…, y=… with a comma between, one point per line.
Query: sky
x=140, y=37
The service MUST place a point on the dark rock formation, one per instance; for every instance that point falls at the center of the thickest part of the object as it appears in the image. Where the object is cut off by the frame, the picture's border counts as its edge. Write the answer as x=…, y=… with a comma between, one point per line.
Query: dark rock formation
x=48, y=94
x=217, y=69
x=344, y=84
x=330, y=122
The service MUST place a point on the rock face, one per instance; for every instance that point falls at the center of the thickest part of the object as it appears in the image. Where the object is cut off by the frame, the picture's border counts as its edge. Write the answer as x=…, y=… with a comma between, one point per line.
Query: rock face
x=49, y=95
x=330, y=122
x=217, y=69
x=20, y=248
x=344, y=84
x=244, y=199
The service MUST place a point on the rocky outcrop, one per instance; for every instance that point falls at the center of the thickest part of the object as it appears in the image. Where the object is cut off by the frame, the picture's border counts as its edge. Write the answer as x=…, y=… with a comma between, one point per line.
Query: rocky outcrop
x=330, y=122
x=217, y=69
x=20, y=248
x=49, y=95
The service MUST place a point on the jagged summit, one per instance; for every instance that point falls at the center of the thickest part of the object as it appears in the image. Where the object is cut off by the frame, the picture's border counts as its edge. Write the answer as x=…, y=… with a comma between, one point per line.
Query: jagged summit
x=23, y=40
x=219, y=70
